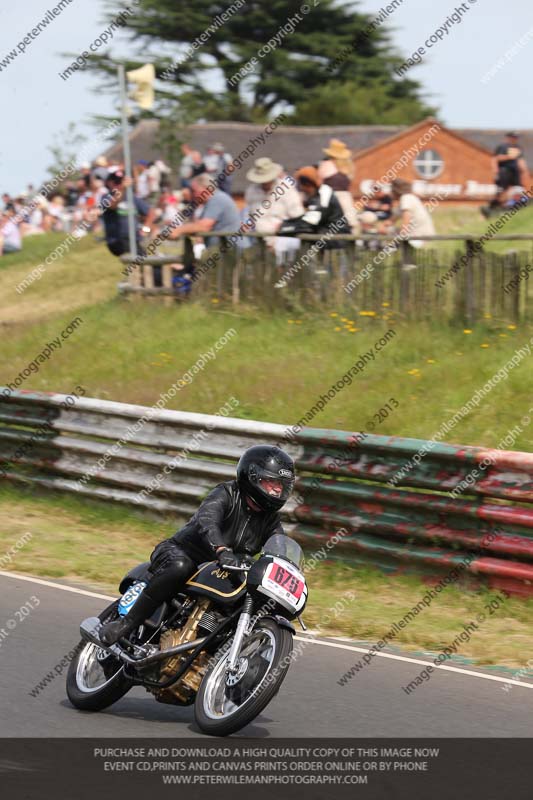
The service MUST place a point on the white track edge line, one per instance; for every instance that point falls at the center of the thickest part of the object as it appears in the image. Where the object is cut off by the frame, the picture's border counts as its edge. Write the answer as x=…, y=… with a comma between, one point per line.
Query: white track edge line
x=64, y=588
x=351, y=647
x=395, y=657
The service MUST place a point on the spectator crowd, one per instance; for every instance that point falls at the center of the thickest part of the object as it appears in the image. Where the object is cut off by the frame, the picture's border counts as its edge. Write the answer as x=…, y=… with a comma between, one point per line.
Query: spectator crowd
x=315, y=199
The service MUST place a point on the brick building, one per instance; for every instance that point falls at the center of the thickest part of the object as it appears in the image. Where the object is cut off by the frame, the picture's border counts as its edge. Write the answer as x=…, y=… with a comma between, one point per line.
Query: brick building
x=455, y=164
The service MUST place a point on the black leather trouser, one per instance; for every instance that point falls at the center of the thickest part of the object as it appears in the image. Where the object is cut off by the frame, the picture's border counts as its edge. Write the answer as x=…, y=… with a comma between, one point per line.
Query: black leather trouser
x=170, y=567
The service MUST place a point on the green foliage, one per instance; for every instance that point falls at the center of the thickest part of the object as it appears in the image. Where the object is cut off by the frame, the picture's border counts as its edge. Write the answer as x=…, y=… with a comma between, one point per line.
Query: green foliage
x=351, y=103
x=323, y=63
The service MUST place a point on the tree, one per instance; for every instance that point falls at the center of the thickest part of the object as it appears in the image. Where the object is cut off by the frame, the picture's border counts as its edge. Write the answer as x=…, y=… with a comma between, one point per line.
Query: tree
x=309, y=54
x=350, y=103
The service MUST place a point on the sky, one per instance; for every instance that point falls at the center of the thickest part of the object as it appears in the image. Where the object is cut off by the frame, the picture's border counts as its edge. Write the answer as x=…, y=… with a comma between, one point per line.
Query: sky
x=38, y=104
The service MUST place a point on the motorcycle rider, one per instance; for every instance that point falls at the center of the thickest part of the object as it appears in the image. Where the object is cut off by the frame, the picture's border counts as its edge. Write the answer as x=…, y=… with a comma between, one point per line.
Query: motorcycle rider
x=235, y=520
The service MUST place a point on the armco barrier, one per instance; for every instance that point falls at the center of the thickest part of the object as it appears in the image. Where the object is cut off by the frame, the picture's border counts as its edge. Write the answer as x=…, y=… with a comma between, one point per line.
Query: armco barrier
x=113, y=451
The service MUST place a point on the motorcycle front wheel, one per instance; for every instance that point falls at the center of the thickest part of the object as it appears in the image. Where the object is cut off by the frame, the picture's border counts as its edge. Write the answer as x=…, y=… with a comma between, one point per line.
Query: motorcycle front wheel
x=95, y=678
x=226, y=703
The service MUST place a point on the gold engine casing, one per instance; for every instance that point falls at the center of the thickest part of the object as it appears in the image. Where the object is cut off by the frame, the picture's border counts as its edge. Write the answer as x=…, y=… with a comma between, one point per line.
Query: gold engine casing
x=185, y=689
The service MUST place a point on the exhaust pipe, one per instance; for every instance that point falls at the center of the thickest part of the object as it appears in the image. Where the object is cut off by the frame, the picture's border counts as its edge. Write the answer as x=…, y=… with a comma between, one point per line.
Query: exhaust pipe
x=89, y=630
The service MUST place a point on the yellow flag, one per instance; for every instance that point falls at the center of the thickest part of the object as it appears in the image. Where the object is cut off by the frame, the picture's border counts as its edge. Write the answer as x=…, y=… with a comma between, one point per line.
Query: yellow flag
x=144, y=78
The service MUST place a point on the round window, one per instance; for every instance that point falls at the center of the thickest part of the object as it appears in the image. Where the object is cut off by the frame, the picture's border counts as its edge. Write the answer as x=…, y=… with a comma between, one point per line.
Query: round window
x=428, y=164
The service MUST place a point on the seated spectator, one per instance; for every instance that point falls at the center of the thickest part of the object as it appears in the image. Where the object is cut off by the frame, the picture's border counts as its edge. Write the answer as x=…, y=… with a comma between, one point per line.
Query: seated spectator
x=38, y=220
x=56, y=210
x=517, y=197
x=380, y=203
x=10, y=238
x=214, y=211
x=269, y=182
x=191, y=165
x=323, y=213
x=216, y=160
x=415, y=219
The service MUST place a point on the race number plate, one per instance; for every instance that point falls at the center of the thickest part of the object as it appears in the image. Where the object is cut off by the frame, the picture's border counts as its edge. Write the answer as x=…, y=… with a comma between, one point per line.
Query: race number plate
x=129, y=598
x=285, y=583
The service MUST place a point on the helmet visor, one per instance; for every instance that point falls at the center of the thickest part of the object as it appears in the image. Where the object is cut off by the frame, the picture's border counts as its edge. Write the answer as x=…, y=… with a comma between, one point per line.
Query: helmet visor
x=271, y=486
x=275, y=486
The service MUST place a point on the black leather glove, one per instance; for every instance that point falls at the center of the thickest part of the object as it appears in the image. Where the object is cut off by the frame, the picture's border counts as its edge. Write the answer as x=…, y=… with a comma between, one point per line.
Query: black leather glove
x=227, y=558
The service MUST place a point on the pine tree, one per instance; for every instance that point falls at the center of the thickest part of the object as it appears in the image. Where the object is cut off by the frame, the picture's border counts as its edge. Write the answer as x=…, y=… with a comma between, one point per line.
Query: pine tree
x=326, y=62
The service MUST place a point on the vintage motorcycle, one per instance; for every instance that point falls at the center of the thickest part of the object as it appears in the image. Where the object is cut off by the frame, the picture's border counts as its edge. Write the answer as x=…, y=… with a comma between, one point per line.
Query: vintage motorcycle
x=224, y=642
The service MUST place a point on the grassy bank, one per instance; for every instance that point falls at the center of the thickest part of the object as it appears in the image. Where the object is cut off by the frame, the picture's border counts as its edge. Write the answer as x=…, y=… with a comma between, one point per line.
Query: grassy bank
x=277, y=366
x=95, y=544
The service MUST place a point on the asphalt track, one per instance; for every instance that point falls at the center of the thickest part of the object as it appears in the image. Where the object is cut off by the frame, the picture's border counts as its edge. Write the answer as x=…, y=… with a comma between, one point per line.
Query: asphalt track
x=456, y=702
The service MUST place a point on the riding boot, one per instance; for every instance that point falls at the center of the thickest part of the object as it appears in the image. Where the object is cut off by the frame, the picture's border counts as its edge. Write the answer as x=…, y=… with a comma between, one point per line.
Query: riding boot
x=144, y=607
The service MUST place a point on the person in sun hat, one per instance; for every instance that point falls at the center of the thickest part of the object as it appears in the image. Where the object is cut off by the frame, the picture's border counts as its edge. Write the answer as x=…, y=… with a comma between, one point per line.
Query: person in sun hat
x=337, y=171
x=271, y=198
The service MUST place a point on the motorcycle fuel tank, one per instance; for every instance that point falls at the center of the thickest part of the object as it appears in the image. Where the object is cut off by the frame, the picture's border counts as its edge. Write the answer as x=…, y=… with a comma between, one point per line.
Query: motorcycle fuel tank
x=218, y=584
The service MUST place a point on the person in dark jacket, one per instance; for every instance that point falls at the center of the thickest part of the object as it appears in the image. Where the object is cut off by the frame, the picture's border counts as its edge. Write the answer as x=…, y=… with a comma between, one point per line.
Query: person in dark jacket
x=234, y=521
x=323, y=213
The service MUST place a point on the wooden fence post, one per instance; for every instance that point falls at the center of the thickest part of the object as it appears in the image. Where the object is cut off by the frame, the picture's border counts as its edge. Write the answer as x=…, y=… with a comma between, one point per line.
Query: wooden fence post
x=470, y=303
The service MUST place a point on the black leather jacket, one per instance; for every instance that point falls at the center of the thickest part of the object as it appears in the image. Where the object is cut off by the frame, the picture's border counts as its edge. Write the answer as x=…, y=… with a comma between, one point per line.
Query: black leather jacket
x=225, y=519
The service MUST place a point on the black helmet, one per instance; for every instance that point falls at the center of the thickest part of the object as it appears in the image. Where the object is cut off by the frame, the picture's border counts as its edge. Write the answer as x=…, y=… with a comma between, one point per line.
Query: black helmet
x=261, y=464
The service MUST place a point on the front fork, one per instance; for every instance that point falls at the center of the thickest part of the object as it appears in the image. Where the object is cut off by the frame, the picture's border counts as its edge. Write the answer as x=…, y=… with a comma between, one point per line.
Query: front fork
x=242, y=626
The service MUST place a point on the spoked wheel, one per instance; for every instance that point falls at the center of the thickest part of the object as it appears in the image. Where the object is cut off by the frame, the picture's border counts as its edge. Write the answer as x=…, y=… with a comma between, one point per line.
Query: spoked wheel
x=226, y=703
x=95, y=678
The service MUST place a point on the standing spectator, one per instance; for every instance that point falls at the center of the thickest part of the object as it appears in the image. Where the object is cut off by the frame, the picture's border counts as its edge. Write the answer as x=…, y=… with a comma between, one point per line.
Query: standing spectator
x=10, y=239
x=415, y=219
x=341, y=155
x=509, y=165
x=337, y=171
x=153, y=176
x=216, y=160
x=85, y=174
x=270, y=184
x=100, y=170
x=115, y=213
x=142, y=186
x=510, y=170
x=164, y=175
x=191, y=165
x=71, y=194
x=215, y=211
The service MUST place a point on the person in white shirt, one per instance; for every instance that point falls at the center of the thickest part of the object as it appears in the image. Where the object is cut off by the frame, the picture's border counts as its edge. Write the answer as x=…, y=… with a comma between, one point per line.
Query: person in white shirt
x=10, y=239
x=142, y=186
x=415, y=219
x=281, y=198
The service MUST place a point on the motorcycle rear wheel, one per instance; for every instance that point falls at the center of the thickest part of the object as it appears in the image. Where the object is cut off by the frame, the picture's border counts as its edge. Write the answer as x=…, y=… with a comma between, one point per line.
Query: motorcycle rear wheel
x=223, y=705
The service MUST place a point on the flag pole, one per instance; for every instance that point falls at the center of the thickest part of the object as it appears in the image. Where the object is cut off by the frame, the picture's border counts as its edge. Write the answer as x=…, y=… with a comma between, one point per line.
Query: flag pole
x=127, y=161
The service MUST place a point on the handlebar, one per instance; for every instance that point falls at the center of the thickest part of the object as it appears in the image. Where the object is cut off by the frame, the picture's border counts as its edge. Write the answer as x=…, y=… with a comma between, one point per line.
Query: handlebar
x=243, y=568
